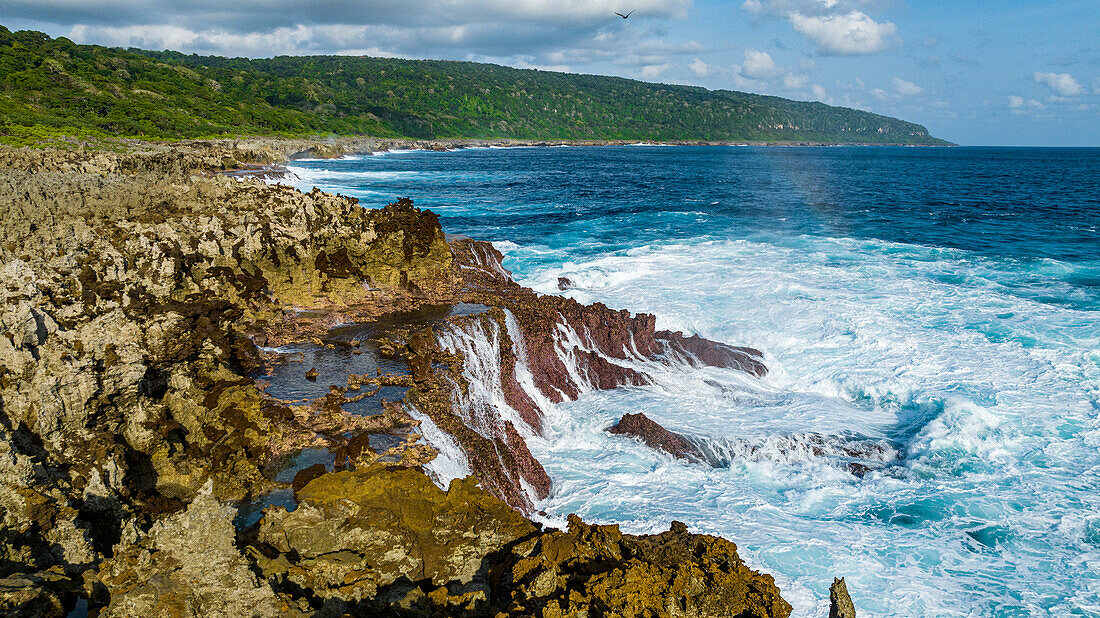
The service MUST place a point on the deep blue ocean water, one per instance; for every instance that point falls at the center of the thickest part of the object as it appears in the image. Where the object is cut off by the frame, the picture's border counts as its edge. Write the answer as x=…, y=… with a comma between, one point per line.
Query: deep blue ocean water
x=943, y=301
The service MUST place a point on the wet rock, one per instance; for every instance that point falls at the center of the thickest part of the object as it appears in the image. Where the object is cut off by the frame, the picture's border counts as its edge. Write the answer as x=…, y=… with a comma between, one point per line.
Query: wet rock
x=714, y=354
x=312, y=374
x=565, y=283
x=840, y=604
x=305, y=475
x=558, y=331
x=655, y=436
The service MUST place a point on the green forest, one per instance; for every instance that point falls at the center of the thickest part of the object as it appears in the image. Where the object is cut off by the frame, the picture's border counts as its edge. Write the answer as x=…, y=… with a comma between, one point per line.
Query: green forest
x=53, y=87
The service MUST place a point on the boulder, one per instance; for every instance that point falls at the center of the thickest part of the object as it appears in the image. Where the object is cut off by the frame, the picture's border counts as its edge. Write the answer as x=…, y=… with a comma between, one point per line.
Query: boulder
x=654, y=436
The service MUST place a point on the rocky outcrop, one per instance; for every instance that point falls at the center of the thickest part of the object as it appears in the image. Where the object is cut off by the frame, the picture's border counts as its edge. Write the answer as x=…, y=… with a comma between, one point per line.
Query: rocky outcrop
x=563, y=348
x=704, y=352
x=131, y=296
x=572, y=347
x=379, y=539
x=186, y=565
x=840, y=604
x=654, y=436
x=139, y=287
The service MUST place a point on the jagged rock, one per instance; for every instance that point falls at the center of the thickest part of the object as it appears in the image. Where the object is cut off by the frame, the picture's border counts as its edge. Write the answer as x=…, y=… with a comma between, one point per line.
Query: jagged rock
x=594, y=570
x=596, y=335
x=130, y=291
x=714, y=354
x=654, y=436
x=187, y=565
x=378, y=540
x=33, y=595
x=135, y=286
x=840, y=604
x=376, y=535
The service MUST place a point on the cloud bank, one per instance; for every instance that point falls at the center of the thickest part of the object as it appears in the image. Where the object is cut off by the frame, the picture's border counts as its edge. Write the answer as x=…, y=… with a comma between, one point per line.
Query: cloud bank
x=835, y=27
x=533, y=33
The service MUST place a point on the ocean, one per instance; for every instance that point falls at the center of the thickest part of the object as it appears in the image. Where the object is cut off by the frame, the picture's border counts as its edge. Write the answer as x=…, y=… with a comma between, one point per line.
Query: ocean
x=941, y=302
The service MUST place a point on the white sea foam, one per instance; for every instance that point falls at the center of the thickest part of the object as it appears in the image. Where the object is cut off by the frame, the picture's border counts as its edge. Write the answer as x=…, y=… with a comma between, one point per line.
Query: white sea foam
x=968, y=367
x=451, y=463
x=989, y=397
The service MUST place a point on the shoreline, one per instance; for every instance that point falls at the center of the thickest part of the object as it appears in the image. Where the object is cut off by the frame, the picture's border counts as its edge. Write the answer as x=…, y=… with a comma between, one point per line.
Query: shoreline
x=287, y=151
x=164, y=284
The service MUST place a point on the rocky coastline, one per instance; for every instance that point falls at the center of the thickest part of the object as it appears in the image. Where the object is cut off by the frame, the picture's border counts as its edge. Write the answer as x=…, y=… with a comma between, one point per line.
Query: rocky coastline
x=225, y=397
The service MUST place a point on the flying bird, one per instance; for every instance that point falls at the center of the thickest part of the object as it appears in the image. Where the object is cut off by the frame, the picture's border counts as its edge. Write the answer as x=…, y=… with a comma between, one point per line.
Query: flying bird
x=625, y=16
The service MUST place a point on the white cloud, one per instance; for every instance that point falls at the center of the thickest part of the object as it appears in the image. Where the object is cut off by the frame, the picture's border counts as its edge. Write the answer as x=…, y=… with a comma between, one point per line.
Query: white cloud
x=794, y=81
x=879, y=93
x=851, y=33
x=834, y=26
x=516, y=32
x=1061, y=83
x=906, y=89
x=700, y=68
x=653, y=71
x=760, y=71
x=818, y=91
x=758, y=65
x=1019, y=104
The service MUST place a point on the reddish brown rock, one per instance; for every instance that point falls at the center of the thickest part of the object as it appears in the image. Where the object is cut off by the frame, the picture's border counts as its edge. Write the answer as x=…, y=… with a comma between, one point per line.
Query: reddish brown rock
x=655, y=436
x=715, y=354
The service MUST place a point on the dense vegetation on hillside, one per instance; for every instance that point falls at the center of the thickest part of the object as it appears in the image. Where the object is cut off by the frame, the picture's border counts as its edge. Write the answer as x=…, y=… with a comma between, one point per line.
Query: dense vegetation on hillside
x=53, y=86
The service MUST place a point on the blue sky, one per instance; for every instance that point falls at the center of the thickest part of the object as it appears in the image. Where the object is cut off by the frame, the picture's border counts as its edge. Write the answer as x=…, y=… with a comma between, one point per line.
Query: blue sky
x=979, y=73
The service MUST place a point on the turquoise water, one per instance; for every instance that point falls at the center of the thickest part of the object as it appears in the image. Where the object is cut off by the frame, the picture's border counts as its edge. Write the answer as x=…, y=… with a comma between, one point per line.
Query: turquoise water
x=942, y=301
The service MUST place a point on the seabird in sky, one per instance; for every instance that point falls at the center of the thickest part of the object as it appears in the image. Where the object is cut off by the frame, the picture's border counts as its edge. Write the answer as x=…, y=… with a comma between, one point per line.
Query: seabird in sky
x=624, y=16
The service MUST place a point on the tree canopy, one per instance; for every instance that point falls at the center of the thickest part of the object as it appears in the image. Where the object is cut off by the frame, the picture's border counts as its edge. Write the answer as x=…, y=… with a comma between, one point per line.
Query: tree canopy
x=52, y=86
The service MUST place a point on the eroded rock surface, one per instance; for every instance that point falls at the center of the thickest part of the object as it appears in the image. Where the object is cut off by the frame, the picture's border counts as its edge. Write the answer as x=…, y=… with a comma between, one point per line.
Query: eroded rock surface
x=840, y=604
x=186, y=565
x=143, y=289
x=463, y=552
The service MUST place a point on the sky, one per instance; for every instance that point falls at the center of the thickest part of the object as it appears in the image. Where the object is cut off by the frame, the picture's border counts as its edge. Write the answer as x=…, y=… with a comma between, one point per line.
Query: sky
x=1004, y=72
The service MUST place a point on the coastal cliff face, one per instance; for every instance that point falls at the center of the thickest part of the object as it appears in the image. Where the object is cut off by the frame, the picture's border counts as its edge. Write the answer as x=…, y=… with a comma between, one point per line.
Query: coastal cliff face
x=143, y=297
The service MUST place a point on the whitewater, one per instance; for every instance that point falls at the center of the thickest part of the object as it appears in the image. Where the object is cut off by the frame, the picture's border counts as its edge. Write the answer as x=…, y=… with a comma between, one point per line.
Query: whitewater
x=940, y=304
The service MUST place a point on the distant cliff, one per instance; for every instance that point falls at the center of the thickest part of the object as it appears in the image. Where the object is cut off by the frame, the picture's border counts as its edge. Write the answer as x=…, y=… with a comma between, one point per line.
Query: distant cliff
x=51, y=87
